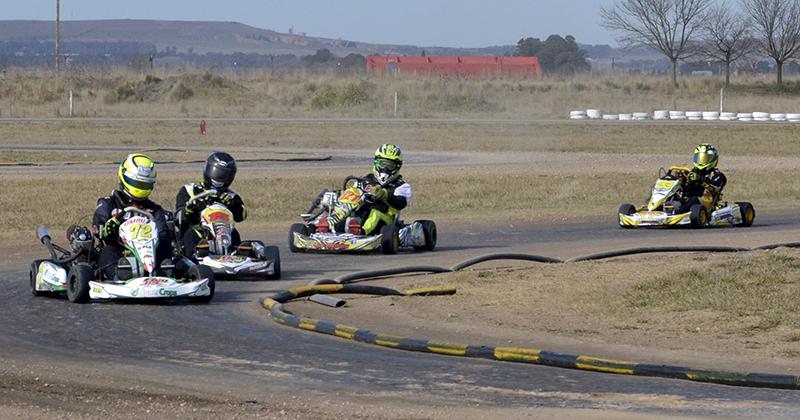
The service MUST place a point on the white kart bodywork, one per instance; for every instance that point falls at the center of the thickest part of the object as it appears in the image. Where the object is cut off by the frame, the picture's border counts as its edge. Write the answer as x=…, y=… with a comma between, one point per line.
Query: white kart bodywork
x=148, y=288
x=50, y=278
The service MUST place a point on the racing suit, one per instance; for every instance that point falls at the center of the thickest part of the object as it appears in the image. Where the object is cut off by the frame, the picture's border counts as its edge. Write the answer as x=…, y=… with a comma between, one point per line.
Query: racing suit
x=189, y=217
x=113, y=250
x=377, y=213
x=704, y=189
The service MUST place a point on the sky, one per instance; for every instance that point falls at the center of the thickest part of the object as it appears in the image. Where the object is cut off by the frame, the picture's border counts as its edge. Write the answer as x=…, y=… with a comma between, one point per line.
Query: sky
x=463, y=23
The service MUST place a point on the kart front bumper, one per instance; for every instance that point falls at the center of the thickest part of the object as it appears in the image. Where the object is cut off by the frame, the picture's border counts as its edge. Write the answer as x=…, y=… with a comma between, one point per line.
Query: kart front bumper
x=149, y=288
x=238, y=266
x=333, y=243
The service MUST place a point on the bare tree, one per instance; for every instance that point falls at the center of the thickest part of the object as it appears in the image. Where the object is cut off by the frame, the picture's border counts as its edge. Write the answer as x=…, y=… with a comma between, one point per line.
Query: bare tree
x=778, y=25
x=667, y=26
x=727, y=37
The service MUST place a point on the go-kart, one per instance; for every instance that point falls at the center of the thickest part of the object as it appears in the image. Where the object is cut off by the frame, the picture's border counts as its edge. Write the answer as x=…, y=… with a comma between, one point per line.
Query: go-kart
x=249, y=260
x=315, y=234
x=665, y=207
x=76, y=271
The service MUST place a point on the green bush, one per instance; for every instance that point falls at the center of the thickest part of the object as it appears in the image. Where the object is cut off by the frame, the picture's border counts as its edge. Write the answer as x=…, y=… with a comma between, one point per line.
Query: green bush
x=354, y=94
x=182, y=92
x=324, y=97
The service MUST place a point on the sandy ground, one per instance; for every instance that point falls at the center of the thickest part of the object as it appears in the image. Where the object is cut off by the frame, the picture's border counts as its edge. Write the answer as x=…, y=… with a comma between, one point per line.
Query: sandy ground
x=584, y=308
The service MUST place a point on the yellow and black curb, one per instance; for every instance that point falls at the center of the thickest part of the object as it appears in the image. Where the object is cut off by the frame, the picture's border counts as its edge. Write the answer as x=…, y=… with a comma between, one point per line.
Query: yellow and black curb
x=275, y=303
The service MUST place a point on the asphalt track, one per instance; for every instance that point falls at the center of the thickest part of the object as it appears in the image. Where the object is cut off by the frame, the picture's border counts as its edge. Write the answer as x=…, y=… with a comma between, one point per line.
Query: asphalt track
x=231, y=346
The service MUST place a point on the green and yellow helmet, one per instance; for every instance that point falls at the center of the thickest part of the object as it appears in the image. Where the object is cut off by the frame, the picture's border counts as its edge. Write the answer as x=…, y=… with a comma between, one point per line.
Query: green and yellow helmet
x=705, y=156
x=388, y=160
x=137, y=176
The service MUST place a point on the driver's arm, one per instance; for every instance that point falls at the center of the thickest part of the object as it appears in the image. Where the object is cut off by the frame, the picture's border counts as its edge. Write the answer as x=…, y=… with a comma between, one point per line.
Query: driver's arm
x=399, y=197
x=160, y=217
x=101, y=215
x=183, y=218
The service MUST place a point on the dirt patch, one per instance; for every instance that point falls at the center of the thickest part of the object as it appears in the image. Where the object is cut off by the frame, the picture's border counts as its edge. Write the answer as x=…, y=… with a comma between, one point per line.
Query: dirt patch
x=736, y=312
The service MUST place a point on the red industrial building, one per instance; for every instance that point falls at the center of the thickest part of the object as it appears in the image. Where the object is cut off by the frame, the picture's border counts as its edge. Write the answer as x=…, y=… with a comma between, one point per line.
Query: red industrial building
x=455, y=65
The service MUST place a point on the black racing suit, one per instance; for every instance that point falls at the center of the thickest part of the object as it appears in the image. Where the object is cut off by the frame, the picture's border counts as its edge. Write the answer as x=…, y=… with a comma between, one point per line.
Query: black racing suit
x=189, y=220
x=113, y=250
x=393, y=201
x=709, y=183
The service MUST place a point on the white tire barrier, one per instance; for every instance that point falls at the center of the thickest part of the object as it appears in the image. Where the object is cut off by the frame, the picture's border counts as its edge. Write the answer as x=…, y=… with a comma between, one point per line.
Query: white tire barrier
x=745, y=116
x=577, y=115
x=761, y=116
x=611, y=117
x=677, y=115
x=728, y=116
x=640, y=116
x=625, y=117
x=710, y=116
x=594, y=114
x=778, y=117
x=793, y=117
x=661, y=115
x=694, y=115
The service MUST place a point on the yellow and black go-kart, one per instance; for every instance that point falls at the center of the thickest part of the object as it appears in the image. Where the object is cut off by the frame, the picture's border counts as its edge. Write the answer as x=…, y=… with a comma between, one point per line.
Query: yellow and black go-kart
x=317, y=233
x=666, y=206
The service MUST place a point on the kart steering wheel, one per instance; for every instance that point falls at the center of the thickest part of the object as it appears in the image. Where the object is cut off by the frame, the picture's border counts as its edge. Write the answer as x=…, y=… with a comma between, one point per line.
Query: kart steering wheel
x=139, y=211
x=359, y=181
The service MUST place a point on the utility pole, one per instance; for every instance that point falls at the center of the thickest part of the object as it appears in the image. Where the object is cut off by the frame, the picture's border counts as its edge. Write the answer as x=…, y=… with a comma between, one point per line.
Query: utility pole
x=58, y=35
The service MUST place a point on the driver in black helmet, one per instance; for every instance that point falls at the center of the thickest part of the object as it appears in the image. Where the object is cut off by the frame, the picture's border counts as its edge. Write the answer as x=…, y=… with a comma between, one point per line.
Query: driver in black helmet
x=218, y=175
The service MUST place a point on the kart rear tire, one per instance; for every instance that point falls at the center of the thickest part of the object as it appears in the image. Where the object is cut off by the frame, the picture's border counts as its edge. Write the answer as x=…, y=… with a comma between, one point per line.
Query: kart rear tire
x=748, y=214
x=390, y=239
x=197, y=272
x=272, y=253
x=626, y=209
x=78, y=283
x=431, y=235
x=298, y=228
x=34, y=271
x=698, y=216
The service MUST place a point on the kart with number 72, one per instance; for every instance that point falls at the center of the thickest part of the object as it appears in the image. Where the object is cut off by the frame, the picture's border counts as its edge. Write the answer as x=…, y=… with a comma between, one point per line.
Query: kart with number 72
x=76, y=271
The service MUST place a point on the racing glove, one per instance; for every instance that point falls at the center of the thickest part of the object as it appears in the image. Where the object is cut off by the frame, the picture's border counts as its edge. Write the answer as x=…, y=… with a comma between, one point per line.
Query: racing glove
x=227, y=198
x=379, y=193
x=694, y=176
x=110, y=227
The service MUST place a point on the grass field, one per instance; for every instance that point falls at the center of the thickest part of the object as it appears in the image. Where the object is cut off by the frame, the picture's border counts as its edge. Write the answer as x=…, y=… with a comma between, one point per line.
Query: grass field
x=259, y=94
x=530, y=171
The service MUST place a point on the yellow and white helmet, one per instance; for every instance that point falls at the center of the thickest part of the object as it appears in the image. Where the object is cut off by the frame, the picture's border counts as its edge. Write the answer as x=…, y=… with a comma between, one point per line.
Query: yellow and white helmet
x=387, y=164
x=137, y=176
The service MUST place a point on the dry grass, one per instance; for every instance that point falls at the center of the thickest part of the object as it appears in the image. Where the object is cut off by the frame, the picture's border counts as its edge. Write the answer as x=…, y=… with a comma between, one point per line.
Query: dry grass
x=742, y=306
x=521, y=172
x=258, y=94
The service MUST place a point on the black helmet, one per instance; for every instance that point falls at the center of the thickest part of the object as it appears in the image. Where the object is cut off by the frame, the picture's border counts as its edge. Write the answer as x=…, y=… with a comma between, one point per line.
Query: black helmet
x=220, y=171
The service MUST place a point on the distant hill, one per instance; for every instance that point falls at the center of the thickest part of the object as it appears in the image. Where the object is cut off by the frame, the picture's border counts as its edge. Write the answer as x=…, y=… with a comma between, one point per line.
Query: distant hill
x=208, y=37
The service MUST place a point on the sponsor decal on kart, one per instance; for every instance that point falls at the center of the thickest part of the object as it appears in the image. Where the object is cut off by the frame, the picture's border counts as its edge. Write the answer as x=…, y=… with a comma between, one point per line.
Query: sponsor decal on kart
x=153, y=281
x=230, y=259
x=331, y=246
x=50, y=277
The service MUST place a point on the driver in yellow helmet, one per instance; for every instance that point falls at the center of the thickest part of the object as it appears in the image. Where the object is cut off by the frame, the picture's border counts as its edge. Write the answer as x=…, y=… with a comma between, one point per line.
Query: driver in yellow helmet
x=705, y=180
x=137, y=177
x=387, y=194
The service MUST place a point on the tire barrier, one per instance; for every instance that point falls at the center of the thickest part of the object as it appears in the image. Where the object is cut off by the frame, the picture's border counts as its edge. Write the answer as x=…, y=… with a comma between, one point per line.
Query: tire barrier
x=664, y=115
x=274, y=304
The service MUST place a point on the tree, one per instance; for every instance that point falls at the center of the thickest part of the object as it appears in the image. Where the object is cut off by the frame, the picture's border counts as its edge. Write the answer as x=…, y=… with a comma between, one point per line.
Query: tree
x=667, y=26
x=727, y=37
x=556, y=54
x=528, y=47
x=778, y=25
x=319, y=57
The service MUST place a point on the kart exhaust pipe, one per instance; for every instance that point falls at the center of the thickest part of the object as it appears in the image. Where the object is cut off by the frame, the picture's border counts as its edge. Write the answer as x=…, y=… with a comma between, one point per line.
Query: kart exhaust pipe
x=42, y=233
x=327, y=301
x=44, y=237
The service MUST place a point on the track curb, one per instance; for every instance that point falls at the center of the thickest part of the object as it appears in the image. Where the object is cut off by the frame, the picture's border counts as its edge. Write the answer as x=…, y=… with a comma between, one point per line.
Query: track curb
x=274, y=304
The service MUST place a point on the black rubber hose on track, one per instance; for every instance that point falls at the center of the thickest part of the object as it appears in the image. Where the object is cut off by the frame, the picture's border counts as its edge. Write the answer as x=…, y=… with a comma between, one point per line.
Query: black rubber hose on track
x=655, y=250
x=275, y=303
x=373, y=274
x=505, y=256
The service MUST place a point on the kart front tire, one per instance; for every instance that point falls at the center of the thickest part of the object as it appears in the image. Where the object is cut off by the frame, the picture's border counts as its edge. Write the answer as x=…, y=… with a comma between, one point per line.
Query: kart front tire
x=698, y=216
x=748, y=214
x=272, y=253
x=390, y=239
x=431, y=235
x=34, y=271
x=198, y=272
x=626, y=209
x=300, y=229
x=78, y=283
